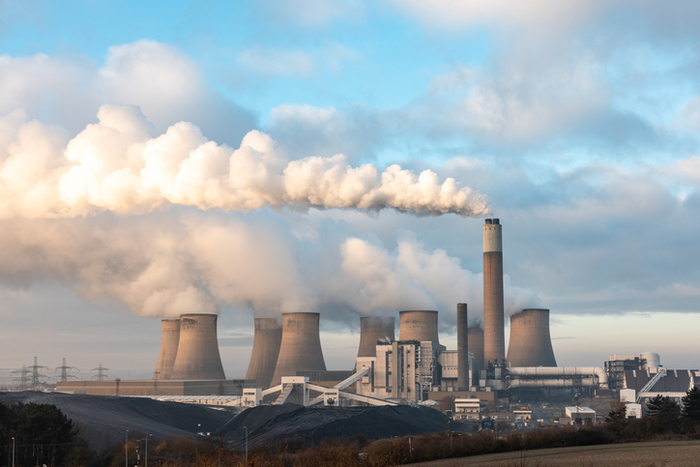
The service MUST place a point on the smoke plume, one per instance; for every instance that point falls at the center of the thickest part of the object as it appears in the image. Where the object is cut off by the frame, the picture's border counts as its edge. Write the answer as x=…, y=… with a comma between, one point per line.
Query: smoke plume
x=116, y=165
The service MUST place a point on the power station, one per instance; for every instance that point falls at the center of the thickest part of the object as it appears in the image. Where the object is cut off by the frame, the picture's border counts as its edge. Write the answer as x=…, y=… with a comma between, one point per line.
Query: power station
x=287, y=362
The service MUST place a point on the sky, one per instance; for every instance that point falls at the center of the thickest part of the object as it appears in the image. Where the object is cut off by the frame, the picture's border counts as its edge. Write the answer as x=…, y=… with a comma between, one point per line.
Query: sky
x=339, y=156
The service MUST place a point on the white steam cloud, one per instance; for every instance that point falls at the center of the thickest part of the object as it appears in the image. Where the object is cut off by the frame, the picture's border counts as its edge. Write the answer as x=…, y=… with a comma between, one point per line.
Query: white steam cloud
x=115, y=165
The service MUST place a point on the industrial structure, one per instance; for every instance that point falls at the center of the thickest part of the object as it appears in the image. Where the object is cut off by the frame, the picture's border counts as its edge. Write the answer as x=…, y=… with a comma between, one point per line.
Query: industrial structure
x=300, y=348
x=198, y=349
x=419, y=325
x=494, y=317
x=475, y=336
x=169, y=341
x=266, y=347
x=530, y=343
x=372, y=330
x=462, y=347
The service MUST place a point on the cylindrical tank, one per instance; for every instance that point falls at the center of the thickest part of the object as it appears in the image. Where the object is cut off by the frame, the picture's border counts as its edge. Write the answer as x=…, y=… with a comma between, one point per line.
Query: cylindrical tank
x=462, y=347
x=198, y=349
x=494, y=319
x=419, y=325
x=476, y=348
x=530, y=343
x=266, y=348
x=372, y=329
x=169, y=340
x=300, y=349
x=652, y=360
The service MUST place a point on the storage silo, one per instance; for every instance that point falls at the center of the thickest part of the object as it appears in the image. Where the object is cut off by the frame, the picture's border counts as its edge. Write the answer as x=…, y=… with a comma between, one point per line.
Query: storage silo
x=169, y=341
x=372, y=329
x=198, y=355
x=530, y=342
x=300, y=349
x=266, y=348
x=419, y=325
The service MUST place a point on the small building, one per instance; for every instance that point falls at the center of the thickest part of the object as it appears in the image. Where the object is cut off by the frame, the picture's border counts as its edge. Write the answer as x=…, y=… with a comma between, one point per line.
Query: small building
x=523, y=416
x=580, y=415
x=468, y=409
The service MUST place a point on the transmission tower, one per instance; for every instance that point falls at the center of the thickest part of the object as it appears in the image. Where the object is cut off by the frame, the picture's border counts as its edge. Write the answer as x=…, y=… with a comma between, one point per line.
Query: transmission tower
x=36, y=376
x=101, y=372
x=64, y=371
x=23, y=378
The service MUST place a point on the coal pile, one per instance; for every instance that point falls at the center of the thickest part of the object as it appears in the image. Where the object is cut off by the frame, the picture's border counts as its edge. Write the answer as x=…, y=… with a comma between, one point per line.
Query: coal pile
x=273, y=423
x=103, y=420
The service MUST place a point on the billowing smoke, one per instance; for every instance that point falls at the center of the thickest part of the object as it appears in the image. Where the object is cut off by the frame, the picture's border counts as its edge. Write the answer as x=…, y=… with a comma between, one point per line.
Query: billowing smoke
x=71, y=211
x=115, y=165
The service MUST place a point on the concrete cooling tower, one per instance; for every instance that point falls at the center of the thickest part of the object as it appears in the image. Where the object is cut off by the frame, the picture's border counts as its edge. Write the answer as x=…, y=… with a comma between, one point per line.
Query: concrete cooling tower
x=462, y=348
x=419, y=325
x=530, y=343
x=372, y=329
x=300, y=349
x=494, y=319
x=266, y=348
x=476, y=348
x=198, y=350
x=169, y=340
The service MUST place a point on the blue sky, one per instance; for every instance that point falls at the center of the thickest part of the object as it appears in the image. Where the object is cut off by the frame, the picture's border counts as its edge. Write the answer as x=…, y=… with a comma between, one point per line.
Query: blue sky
x=576, y=123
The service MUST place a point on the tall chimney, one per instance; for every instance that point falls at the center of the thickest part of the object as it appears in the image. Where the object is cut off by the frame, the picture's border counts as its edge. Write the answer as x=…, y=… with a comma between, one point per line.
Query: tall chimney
x=419, y=325
x=372, y=329
x=530, y=342
x=476, y=348
x=462, y=348
x=198, y=350
x=169, y=340
x=494, y=333
x=300, y=349
x=266, y=348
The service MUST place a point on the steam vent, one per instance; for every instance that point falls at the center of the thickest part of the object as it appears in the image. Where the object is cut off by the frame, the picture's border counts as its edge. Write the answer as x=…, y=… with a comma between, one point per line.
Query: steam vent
x=530, y=343
x=266, y=348
x=419, y=325
x=169, y=340
x=300, y=349
x=198, y=349
x=494, y=319
x=372, y=329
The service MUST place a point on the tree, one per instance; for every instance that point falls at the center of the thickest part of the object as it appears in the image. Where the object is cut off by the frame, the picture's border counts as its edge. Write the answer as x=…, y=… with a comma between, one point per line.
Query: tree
x=664, y=412
x=691, y=405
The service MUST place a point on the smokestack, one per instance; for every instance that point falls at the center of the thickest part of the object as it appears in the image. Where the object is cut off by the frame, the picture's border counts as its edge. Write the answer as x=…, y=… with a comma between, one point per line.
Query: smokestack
x=169, y=340
x=476, y=348
x=462, y=348
x=198, y=349
x=300, y=349
x=372, y=329
x=530, y=343
x=266, y=348
x=418, y=325
x=494, y=332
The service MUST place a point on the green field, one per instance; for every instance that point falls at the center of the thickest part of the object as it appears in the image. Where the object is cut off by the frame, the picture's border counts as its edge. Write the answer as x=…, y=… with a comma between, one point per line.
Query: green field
x=651, y=454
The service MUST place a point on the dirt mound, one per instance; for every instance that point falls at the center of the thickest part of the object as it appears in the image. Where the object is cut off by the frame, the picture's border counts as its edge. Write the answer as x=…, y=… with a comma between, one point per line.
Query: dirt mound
x=103, y=420
x=268, y=424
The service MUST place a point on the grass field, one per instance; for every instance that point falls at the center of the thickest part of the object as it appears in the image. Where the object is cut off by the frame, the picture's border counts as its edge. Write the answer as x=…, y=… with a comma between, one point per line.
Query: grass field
x=651, y=454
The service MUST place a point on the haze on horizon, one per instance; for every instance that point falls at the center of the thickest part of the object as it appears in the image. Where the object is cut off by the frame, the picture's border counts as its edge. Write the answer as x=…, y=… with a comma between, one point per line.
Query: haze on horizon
x=340, y=156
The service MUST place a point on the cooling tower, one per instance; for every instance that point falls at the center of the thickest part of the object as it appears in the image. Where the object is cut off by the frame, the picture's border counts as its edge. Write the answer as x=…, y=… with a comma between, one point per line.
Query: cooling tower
x=372, y=329
x=530, y=344
x=462, y=348
x=169, y=340
x=418, y=325
x=300, y=349
x=266, y=348
x=198, y=350
x=476, y=348
x=494, y=333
